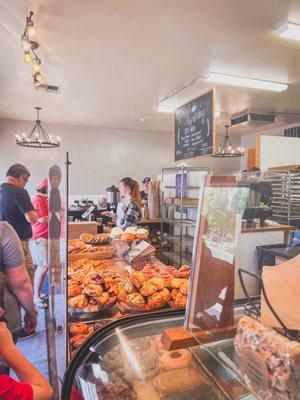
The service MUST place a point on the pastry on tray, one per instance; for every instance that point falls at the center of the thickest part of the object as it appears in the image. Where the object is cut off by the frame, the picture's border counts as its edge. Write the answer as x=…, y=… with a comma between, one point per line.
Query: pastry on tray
x=91, y=252
x=176, y=359
x=99, y=239
x=116, y=233
x=142, y=234
x=145, y=390
x=136, y=300
x=179, y=380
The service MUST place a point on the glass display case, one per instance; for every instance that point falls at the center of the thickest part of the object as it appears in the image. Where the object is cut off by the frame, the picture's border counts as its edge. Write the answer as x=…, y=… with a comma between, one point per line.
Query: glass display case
x=126, y=360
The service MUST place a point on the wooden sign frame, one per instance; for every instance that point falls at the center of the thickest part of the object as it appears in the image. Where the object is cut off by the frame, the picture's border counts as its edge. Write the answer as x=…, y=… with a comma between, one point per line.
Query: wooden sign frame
x=213, y=91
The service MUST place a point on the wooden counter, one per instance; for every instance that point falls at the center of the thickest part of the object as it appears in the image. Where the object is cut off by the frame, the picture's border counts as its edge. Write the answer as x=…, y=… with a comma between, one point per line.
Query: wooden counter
x=272, y=228
x=149, y=221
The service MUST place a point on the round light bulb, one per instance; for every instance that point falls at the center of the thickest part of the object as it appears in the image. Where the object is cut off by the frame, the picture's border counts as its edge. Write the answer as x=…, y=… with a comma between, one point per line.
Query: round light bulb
x=58, y=138
x=26, y=45
x=27, y=57
x=38, y=77
x=229, y=148
x=36, y=67
x=30, y=31
x=17, y=137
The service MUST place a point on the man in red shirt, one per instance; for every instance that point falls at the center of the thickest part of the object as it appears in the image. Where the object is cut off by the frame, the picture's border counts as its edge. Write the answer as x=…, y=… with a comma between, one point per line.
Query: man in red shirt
x=39, y=242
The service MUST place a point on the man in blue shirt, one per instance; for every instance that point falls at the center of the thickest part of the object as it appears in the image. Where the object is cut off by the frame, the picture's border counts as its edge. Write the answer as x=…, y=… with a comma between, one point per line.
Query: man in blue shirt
x=16, y=208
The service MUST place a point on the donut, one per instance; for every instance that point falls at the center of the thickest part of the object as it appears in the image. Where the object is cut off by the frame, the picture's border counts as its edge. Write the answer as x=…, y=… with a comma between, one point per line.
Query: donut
x=176, y=359
x=159, y=347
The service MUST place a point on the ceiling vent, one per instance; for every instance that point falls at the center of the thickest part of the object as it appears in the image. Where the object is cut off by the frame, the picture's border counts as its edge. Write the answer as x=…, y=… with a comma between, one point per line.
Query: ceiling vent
x=48, y=88
x=248, y=118
x=292, y=132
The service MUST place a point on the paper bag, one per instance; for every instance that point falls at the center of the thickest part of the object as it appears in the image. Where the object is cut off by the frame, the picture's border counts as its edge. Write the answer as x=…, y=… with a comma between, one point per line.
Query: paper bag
x=282, y=286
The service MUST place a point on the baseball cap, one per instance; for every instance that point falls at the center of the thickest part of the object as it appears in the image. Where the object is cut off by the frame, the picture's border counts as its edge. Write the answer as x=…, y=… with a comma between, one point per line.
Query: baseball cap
x=146, y=179
x=42, y=184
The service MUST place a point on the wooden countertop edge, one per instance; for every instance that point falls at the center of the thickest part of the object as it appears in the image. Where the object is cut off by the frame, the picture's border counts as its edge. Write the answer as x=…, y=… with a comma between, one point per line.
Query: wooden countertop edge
x=269, y=229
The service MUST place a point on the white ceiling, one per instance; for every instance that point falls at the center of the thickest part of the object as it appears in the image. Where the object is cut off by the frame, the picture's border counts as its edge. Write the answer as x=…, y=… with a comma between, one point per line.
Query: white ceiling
x=116, y=59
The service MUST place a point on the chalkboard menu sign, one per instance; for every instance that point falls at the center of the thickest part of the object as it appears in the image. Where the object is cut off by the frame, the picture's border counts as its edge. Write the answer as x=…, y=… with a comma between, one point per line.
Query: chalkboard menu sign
x=194, y=127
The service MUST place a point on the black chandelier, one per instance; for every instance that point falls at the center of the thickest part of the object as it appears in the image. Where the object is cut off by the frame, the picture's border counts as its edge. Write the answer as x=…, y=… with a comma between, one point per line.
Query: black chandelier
x=38, y=137
x=226, y=150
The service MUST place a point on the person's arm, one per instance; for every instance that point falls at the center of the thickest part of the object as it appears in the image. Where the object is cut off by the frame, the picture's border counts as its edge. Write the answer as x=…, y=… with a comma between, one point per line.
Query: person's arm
x=31, y=216
x=24, y=203
x=14, y=269
x=25, y=371
x=110, y=214
x=43, y=220
x=19, y=284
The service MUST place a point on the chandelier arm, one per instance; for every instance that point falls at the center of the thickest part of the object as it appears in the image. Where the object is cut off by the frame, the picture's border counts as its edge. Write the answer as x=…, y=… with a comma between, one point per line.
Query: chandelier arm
x=230, y=142
x=32, y=131
x=46, y=136
x=221, y=145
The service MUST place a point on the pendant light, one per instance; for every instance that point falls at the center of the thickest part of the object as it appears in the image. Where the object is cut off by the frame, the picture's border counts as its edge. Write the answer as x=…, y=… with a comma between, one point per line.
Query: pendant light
x=225, y=148
x=38, y=137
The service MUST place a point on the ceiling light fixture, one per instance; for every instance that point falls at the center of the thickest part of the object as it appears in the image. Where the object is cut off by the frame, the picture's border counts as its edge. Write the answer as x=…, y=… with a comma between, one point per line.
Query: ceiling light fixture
x=29, y=47
x=38, y=137
x=166, y=108
x=289, y=31
x=226, y=150
x=225, y=79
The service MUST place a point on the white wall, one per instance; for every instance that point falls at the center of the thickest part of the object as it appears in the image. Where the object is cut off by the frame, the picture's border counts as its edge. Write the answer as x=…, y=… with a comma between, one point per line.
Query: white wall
x=276, y=151
x=249, y=141
x=99, y=156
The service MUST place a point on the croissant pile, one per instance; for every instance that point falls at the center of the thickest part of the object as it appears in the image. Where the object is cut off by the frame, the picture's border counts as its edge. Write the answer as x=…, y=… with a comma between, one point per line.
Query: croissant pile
x=92, y=288
x=143, y=293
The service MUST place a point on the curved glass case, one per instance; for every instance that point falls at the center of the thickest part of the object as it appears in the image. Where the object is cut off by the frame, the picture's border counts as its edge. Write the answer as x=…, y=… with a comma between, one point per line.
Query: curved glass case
x=126, y=360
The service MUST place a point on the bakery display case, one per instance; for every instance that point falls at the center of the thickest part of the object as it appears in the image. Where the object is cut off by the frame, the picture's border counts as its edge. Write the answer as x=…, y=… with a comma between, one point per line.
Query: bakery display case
x=126, y=360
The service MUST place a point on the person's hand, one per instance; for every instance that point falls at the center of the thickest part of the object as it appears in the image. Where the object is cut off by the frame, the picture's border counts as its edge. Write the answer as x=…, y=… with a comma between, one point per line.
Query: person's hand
x=6, y=340
x=109, y=214
x=30, y=322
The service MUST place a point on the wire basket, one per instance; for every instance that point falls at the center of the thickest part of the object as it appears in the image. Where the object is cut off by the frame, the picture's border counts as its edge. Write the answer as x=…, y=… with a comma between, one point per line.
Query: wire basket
x=253, y=306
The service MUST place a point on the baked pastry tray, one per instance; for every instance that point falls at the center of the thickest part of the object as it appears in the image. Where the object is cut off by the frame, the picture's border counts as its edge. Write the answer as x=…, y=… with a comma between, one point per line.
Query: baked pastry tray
x=77, y=314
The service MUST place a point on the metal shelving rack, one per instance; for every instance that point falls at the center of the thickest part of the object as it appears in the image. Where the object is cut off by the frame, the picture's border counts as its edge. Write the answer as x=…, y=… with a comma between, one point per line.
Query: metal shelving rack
x=286, y=196
x=182, y=239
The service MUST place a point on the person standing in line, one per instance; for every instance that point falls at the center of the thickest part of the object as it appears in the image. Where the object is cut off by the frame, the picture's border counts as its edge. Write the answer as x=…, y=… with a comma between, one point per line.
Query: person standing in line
x=39, y=243
x=17, y=209
x=15, y=282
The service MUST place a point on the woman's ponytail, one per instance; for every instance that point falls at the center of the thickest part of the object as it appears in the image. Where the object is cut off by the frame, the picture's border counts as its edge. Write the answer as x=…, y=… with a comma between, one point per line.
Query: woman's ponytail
x=134, y=188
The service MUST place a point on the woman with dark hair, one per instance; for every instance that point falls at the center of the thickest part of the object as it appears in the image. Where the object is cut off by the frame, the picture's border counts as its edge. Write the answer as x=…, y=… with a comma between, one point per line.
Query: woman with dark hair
x=128, y=211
